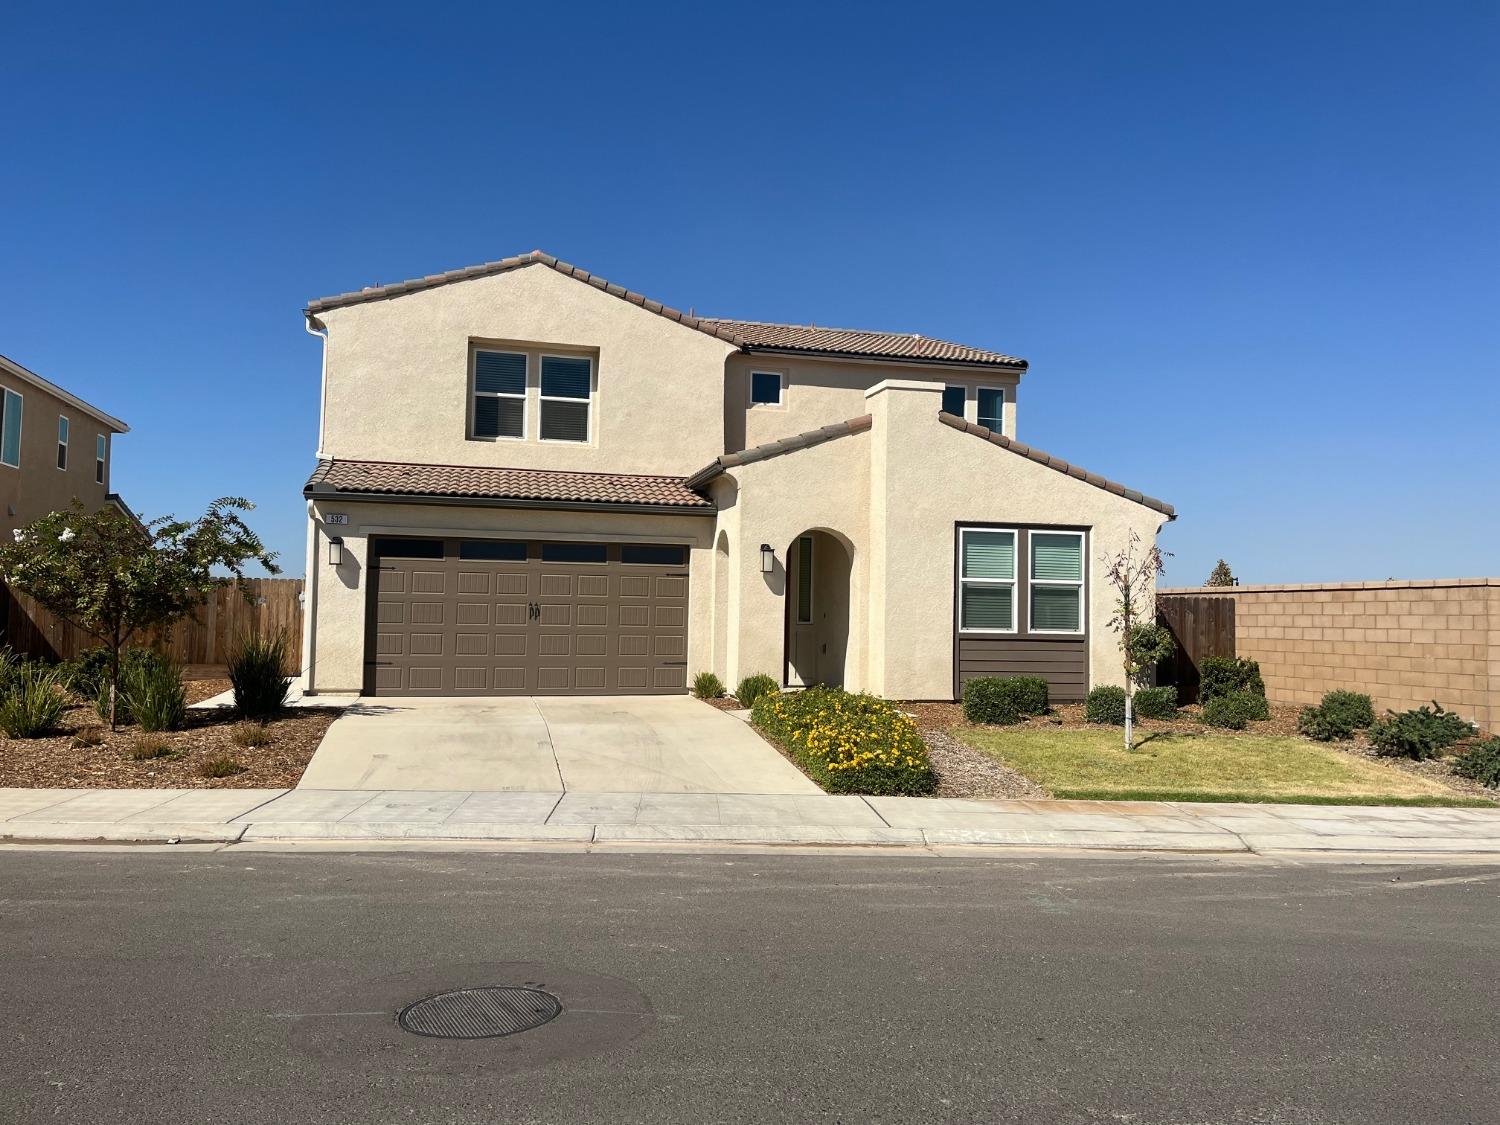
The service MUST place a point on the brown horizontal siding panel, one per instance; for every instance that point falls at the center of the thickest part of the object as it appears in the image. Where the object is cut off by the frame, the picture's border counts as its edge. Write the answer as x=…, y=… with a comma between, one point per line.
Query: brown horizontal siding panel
x=1063, y=664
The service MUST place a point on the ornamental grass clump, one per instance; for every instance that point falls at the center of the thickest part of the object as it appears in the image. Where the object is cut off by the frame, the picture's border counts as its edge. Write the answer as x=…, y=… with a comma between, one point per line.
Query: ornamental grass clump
x=258, y=674
x=33, y=702
x=848, y=743
x=753, y=687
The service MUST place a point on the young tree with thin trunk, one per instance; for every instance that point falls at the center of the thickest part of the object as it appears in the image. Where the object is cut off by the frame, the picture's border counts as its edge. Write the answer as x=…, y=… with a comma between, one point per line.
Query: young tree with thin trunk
x=114, y=577
x=1143, y=643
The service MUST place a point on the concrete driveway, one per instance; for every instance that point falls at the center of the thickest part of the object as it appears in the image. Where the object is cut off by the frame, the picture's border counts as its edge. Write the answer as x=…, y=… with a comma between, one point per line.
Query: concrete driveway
x=601, y=744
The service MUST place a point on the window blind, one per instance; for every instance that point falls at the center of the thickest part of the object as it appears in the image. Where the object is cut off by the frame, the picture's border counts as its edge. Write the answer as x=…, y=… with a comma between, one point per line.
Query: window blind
x=1056, y=558
x=989, y=554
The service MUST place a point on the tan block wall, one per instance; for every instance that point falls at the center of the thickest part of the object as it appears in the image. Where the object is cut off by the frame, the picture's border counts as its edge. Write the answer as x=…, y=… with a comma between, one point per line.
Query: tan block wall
x=1403, y=643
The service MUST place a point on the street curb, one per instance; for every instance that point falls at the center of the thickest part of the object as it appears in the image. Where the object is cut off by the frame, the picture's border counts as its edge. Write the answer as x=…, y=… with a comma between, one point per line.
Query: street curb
x=90, y=831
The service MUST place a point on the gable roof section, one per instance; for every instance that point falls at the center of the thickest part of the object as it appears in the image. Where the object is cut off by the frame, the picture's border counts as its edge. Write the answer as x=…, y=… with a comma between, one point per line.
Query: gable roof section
x=391, y=480
x=776, y=448
x=11, y=367
x=1058, y=464
x=810, y=339
x=748, y=336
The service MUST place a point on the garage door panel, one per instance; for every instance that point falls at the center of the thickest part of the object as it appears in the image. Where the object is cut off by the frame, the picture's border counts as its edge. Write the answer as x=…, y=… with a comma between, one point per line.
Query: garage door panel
x=513, y=626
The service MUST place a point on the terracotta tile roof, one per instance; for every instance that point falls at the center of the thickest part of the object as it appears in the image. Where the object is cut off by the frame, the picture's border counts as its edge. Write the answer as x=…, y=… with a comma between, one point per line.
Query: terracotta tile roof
x=777, y=448
x=813, y=339
x=1057, y=463
x=744, y=334
x=371, y=479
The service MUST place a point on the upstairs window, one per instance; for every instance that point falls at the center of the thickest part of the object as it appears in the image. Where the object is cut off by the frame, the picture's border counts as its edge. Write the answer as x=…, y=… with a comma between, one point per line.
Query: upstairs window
x=499, y=394
x=953, y=400
x=10, y=429
x=62, y=441
x=987, y=580
x=1057, y=581
x=766, y=388
x=567, y=397
x=101, y=445
x=991, y=402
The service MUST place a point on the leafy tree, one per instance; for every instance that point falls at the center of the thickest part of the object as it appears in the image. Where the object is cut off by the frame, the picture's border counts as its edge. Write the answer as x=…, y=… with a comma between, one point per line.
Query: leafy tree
x=1221, y=576
x=114, y=577
x=1143, y=643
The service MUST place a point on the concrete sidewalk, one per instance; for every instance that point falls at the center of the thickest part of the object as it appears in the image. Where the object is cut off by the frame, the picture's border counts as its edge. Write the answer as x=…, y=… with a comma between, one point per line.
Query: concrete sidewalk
x=233, y=815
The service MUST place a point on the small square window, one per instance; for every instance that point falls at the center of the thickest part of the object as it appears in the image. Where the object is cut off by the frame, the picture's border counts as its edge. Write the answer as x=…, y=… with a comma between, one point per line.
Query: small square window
x=991, y=403
x=953, y=400
x=765, y=388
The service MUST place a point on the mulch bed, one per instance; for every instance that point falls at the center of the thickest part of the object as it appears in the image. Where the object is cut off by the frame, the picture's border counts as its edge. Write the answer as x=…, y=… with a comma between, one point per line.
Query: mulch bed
x=938, y=720
x=56, y=763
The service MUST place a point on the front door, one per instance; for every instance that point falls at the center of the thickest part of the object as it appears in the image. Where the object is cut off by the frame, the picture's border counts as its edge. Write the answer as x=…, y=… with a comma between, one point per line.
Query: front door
x=802, y=646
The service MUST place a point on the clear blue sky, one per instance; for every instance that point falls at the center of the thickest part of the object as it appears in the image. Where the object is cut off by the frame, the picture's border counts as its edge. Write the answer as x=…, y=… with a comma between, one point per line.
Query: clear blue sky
x=1250, y=250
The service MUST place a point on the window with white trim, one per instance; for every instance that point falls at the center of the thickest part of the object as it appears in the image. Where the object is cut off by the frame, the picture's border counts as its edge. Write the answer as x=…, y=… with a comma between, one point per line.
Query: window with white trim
x=986, y=580
x=1056, y=581
x=10, y=429
x=991, y=404
x=101, y=448
x=499, y=409
x=767, y=388
x=566, y=397
x=953, y=400
x=62, y=441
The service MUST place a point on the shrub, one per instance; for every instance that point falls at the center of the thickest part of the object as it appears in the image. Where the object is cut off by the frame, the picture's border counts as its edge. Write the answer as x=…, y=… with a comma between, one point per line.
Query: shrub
x=152, y=694
x=220, y=767
x=1339, y=715
x=88, y=737
x=848, y=743
x=1225, y=675
x=1481, y=763
x=1156, y=702
x=707, y=686
x=1235, y=710
x=146, y=747
x=1420, y=734
x=753, y=687
x=258, y=674
x=248, y=734
x=88, y=672
x=1105, y=704
x=33, y=703
x=990, y=699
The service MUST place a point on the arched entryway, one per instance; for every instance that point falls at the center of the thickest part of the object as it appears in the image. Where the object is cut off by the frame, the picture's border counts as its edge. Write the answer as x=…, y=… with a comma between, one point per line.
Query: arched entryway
x=818, y=567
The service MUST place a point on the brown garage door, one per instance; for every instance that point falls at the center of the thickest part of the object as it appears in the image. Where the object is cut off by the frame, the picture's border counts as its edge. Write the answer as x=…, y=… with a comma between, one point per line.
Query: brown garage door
x=526, y=617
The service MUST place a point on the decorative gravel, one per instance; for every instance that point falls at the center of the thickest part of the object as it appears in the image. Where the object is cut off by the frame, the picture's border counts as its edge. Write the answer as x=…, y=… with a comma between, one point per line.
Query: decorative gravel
x=963, y=771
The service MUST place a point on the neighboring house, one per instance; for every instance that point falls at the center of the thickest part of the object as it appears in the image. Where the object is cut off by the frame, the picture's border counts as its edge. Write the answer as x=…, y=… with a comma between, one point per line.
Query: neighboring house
x=532, y=481
x=54, y=449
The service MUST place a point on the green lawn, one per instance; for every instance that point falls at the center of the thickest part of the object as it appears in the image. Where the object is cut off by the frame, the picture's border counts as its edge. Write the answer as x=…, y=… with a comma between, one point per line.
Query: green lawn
x=1212, y=766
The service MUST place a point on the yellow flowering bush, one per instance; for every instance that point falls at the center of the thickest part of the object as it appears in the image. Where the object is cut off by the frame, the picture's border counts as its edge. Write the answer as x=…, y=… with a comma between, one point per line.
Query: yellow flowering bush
x=848, y=743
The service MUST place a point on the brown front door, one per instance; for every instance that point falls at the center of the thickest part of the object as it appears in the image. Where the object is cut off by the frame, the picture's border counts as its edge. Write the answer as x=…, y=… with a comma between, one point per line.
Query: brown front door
x=526, y=617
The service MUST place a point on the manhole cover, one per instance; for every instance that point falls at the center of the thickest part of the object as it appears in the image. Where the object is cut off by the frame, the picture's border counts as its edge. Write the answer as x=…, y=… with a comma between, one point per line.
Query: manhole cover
x=479, y=1013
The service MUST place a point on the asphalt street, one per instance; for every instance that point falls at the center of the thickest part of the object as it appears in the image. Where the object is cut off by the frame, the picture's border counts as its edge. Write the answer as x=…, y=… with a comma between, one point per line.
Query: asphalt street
x=248, y=987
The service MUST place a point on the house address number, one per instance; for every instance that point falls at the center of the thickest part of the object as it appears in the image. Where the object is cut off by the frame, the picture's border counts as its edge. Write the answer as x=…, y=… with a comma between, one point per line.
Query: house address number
x=335, y=518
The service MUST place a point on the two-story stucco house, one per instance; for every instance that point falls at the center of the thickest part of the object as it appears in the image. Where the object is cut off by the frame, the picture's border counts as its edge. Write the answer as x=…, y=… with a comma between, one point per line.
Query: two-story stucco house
x=532, y=481
x=54, y=449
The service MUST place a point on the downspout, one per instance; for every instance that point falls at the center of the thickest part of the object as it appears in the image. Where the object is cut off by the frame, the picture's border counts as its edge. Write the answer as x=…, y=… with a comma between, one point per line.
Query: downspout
x=307, y=325
x=310, y=582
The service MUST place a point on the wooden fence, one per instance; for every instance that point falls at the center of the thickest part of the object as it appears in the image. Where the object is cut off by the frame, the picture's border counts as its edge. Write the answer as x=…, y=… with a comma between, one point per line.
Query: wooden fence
x=203, y=638
x=1202, y=626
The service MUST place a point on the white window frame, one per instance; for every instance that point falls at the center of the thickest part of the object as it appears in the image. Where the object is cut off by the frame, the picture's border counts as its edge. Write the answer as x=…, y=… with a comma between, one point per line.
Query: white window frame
x=781, y=387
x=64, y=431
x=101, y=457
x=541, y=398
x=809, y=564
x=5, y=405
x=963, y=413
x=475, y=392
x=999, y=426
x=1032, y=583
x=1014, y=582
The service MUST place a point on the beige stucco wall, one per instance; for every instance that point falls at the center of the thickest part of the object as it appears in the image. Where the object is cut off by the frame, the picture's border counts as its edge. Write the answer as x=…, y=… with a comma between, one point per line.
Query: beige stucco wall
x=397, y=377
x=337, y=596
x=927, y=478
x=39, y=486
x=1402, y=643
x=822, y=392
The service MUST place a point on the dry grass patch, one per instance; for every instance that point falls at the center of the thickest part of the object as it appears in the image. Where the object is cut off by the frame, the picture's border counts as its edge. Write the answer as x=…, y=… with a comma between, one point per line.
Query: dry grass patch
x=1199, y=765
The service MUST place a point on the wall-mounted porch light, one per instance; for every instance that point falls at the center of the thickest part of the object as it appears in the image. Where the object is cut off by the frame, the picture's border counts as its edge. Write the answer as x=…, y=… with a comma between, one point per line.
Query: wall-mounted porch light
x=335, y=551
x=767, y=559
